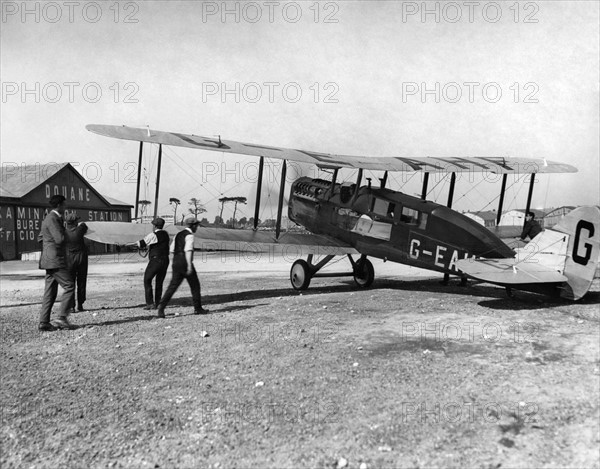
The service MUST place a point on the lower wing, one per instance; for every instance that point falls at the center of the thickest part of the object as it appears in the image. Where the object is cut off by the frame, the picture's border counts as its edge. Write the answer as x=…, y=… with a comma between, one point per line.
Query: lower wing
x=224, y=239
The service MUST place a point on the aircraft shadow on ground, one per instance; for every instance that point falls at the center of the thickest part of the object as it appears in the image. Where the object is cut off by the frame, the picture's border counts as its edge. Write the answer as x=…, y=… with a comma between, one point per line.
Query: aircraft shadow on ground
x=23, y=277
x=427, y=285
x=498, y=298
x=116, y=321
x=497, y=295
x=530, y=301
x=169, y=315
x=38, y=303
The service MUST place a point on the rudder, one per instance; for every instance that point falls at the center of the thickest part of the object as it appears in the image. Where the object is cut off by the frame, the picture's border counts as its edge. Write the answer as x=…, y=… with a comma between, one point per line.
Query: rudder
x=583, y=227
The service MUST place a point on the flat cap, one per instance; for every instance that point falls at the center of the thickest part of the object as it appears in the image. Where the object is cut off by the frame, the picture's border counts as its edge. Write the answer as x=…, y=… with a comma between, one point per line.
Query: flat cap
x=190, y=220
x=158, y=222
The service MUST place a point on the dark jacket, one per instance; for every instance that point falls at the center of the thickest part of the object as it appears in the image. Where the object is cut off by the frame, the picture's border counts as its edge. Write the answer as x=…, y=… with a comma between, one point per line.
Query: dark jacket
x=74, y=237
x=532, y=228
x=52, y=236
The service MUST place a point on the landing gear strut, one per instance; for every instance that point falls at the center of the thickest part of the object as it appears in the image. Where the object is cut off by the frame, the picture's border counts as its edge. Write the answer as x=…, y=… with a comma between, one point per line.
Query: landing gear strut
x=463, y=280
x=303, y=271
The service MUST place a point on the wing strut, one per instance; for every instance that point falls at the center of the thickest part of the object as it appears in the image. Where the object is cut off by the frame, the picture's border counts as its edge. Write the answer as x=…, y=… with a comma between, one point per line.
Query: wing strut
x=529, y=195
x=261, y=166
x=451, y=190
x=333, y=182
x=449, y=205
x=157, y=180
x=358, y=180
x=139, y=178
x=425, y=182
x=384, y=180
x=501, y=201
x=280, y=205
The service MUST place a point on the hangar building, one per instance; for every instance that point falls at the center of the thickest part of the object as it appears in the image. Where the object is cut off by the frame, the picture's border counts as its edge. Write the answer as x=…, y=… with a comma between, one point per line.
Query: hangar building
x=485, y=218
x=24, y=194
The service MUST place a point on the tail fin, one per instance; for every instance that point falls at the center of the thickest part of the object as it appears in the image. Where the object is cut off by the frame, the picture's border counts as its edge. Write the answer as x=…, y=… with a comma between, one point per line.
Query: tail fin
x=583, y=249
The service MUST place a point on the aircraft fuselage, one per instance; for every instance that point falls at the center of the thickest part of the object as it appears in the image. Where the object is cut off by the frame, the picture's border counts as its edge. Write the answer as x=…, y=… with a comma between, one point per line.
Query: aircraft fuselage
x=390, y=225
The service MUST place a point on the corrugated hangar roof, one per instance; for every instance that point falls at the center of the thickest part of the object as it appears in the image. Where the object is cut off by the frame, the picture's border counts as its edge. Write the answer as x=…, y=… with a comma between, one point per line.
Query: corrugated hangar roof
x=486, y=214
x=19, y=180
x=116, y=201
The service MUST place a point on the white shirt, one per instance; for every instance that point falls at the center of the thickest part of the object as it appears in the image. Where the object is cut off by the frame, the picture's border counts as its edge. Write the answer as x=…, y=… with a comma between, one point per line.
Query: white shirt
x=189, y=242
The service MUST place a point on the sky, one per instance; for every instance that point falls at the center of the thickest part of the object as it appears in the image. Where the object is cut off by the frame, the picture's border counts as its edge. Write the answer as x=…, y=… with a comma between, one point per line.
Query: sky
x=380, y=78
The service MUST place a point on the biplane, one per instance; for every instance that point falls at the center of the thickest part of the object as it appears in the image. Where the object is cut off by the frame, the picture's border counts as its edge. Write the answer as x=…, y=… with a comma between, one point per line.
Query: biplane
x=364, y=220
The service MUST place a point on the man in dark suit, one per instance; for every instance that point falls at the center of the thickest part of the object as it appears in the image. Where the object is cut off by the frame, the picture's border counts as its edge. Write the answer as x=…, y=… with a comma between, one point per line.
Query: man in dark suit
x=182, y=248
x=53, y=261
x=531, y=228
x=77, y=256
x=157, y=243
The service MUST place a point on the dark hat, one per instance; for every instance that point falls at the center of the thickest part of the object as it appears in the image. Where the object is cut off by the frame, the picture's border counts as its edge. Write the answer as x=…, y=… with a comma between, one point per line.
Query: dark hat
x=56, y=200
x=71, y=217
x=190, y=220
x=158, y=222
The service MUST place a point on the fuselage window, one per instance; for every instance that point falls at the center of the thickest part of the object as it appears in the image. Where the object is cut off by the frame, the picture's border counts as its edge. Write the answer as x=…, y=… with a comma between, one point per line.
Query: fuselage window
x=346, y=192
x=383, y=208
x=409, y=216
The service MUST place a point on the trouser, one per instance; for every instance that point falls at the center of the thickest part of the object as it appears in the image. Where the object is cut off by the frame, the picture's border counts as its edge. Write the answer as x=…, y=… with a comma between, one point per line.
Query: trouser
x=55, y=277
x=78, y=265
x=157, y=267
x=180, y=273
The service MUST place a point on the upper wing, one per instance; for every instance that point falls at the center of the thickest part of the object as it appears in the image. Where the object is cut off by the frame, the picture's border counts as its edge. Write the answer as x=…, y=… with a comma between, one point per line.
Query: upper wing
x=223, y=239
x=499, y=165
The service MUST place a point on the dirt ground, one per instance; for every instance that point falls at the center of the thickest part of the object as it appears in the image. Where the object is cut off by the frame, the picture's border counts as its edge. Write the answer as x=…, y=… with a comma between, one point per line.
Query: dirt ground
x=409, y=373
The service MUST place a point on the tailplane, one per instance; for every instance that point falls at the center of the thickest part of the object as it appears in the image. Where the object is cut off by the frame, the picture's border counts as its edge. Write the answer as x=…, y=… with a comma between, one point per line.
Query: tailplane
x=582, y=226
x=559, y=261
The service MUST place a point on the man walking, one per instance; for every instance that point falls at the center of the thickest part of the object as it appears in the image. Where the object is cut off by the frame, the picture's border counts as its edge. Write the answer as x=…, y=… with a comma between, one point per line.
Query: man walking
x=52, y=259
x=157, y=243
x=182, y=248
x=77, y=256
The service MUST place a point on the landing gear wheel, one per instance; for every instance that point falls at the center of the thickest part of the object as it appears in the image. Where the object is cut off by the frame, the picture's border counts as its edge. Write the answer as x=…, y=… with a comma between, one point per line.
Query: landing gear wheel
x=300, y=275
x=364, y=274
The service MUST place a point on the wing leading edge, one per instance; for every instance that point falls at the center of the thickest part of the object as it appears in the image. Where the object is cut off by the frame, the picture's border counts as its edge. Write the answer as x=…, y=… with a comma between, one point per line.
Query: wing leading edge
x=498, y=165
x=223, y=239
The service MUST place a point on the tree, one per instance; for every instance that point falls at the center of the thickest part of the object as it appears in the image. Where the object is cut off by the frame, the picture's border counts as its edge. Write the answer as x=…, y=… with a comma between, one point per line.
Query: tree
x=243, y=221
x=196, y=207
x=174, y=202
x=218, y=220
x=237, y=200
